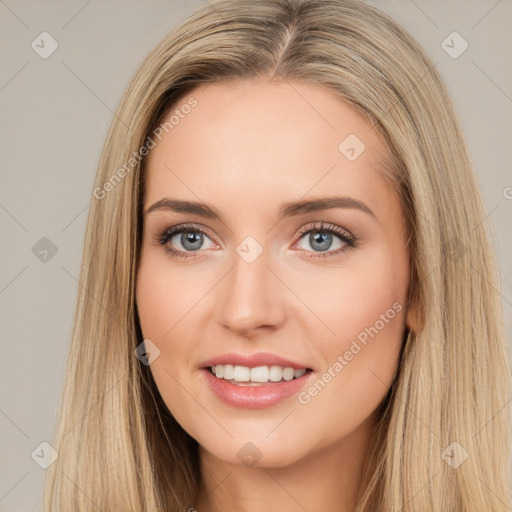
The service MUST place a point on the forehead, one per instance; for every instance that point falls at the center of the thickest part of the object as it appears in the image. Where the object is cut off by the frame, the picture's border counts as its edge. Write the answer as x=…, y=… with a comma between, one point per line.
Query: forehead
x=258, y=141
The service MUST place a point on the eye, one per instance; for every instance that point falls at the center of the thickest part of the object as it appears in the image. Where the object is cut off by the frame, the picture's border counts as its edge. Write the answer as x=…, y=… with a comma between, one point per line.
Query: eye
x=190, y=236
x=321, y=237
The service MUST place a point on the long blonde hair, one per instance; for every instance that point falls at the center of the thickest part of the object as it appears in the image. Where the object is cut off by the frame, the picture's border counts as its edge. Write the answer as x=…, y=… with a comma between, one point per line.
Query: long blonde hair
x=120, y=449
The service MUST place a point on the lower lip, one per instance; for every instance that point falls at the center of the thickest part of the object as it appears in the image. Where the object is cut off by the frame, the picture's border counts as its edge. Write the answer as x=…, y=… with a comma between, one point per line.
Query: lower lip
x=254, y=397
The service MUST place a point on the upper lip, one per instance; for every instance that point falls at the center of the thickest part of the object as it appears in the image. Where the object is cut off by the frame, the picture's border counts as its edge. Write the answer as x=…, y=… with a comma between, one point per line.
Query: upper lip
x=253, y=360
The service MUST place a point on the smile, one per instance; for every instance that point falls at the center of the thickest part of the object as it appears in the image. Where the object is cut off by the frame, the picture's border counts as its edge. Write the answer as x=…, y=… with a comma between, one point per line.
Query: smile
x=247, y=394
x=246, y=376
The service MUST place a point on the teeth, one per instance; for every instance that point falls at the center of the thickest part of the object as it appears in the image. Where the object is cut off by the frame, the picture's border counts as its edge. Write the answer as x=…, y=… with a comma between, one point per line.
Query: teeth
x=256, y=374
x=259, y=374
x=242, y=374
x=275, y=373
x=229, y=371
x=288, y=373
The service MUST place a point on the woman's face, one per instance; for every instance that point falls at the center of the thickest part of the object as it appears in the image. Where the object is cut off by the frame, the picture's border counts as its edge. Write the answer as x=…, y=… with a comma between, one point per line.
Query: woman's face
x=263, y=284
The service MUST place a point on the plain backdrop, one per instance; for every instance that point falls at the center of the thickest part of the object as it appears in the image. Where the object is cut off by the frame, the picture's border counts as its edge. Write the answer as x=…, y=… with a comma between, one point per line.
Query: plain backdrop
x=55, y=113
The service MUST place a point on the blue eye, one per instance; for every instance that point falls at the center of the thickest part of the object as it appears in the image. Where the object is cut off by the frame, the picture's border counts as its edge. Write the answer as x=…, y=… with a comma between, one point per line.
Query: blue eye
x=321, y=237
x=193, y=237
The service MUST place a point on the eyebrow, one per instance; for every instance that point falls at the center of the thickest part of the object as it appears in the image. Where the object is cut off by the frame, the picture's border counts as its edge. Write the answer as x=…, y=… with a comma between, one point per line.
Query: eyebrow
x=288, y=209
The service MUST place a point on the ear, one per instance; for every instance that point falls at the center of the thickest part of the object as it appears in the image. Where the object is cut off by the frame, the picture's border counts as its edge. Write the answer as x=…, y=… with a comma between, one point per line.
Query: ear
x=414, y=319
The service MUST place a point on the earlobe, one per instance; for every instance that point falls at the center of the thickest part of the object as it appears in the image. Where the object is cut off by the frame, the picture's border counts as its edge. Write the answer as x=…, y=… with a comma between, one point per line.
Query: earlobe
x=414, y=319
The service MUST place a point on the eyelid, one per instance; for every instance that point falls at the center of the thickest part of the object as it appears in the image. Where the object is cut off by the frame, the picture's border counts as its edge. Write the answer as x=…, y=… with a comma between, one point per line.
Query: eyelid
x=320, y=226
x=171, y=231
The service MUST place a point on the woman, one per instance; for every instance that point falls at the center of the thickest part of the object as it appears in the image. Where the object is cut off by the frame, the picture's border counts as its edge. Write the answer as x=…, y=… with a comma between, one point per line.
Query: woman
x=288, y=296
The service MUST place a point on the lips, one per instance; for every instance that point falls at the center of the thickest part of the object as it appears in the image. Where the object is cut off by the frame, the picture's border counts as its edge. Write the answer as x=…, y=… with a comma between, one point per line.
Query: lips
x=250, y=395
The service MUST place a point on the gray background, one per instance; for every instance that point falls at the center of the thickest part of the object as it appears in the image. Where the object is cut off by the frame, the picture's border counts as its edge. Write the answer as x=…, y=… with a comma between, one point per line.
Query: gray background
x=55, y=113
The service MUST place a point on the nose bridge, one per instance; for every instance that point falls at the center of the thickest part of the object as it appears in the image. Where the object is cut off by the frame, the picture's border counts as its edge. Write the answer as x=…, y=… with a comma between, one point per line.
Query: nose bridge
x=250, y=295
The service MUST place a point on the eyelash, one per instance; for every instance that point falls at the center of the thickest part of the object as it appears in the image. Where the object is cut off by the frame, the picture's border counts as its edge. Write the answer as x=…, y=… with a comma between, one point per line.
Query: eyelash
x=350, y=241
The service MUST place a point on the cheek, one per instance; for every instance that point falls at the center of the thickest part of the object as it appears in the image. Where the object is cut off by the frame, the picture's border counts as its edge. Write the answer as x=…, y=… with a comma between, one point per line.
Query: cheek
x=353, y=297
x=367, y=298
x=163, y=297
x=364, y=307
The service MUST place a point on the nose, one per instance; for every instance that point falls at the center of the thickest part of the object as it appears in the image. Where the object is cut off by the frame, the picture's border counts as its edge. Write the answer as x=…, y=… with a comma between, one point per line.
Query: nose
x=251, y=297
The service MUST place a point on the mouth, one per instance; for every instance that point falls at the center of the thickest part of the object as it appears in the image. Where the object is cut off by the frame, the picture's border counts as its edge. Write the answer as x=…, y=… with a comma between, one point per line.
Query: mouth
x=254, y=381
x=255, y=387
x=257, y=375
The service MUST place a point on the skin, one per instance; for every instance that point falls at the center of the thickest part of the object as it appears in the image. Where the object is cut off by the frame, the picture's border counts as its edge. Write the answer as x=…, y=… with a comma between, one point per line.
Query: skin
x=244, y=149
